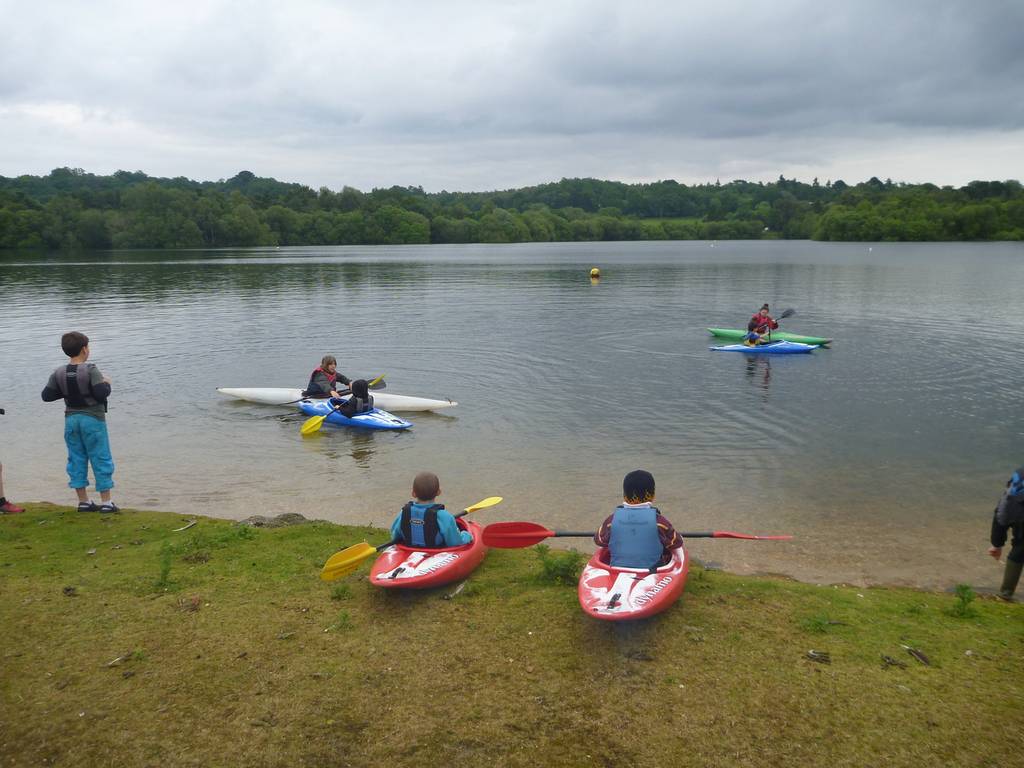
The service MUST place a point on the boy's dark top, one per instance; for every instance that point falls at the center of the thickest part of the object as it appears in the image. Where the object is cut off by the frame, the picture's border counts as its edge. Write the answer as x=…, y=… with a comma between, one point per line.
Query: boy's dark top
x=1009, y=516
x=82, y=388
x=361, y=400
x=321, y=383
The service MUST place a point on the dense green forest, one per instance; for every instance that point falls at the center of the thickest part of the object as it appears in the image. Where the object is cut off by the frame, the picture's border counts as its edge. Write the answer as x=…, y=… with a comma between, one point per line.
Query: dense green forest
x=70, y=208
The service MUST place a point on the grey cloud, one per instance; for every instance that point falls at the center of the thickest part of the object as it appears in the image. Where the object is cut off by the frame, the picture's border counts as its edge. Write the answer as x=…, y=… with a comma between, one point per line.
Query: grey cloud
x=522, y=90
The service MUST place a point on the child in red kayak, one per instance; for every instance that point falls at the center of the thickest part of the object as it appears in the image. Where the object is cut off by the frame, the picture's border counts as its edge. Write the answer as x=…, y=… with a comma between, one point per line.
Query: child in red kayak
x=763, y=322
x=636, y=533
x=423, y=523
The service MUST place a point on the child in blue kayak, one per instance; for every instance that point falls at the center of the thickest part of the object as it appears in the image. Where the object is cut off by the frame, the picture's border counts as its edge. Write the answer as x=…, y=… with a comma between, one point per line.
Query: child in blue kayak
x=361, y=400
x=423, y=523
x=753, y=337
x=636, y=534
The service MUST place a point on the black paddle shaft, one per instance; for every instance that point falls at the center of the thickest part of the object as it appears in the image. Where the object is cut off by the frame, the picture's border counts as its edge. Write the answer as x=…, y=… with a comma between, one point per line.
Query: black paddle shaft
x=591, y=534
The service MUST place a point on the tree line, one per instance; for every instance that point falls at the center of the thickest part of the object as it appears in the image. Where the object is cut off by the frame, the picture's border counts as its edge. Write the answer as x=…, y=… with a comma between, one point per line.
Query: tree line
x=70, y=209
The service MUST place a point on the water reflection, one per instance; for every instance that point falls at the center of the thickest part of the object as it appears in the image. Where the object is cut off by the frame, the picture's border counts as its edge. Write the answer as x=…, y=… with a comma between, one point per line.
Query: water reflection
x=338, y=443
x=361, y=448
x=759, y=372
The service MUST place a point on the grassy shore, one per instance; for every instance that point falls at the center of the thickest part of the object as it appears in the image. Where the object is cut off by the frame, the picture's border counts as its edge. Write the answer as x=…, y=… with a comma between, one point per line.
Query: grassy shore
x=126, y=643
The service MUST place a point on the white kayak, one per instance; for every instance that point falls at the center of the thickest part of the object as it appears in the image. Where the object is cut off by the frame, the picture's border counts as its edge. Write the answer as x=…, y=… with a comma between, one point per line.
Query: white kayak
x=286, y=396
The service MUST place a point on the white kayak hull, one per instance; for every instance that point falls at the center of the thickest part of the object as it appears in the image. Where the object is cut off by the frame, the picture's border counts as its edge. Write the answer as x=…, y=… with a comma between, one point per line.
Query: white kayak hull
x=287, y=396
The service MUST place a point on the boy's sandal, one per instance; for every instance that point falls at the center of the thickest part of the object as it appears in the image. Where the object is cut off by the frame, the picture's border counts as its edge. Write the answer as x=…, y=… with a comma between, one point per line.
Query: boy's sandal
x=110, y=507
x=88, y=506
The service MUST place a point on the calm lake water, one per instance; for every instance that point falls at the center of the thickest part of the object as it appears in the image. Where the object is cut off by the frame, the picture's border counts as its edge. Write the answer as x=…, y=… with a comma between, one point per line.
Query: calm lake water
x=884, y=455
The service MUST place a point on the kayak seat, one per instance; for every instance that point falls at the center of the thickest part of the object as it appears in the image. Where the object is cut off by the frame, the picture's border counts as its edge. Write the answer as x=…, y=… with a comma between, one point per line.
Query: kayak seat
x=605, y=558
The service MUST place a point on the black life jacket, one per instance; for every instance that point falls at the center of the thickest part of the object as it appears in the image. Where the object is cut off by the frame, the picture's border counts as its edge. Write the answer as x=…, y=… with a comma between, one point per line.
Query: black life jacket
x=74, y=383
x=310, y=392
x=1010, y=511
x=419, y=527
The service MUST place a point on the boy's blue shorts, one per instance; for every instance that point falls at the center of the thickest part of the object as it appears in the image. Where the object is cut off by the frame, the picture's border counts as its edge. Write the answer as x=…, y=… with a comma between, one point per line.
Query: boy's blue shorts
x=87, y=441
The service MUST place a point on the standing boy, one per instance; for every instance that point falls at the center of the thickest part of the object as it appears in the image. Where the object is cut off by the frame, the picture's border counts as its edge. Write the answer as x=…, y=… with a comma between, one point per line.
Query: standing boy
x=85, y=391
x=1009, y=516
x=6, y=507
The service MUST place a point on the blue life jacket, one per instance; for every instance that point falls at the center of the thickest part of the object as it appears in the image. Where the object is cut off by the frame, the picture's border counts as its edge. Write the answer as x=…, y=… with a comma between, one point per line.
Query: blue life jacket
x=1017, y=482
x=419, y=525
x=634, y=541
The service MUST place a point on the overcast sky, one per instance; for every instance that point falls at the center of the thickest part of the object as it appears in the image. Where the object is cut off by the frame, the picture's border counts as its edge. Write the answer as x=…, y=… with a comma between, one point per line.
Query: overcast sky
x=489, y=95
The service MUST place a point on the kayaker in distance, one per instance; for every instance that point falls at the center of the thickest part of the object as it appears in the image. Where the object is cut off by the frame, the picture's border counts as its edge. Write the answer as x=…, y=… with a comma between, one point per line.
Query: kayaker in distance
x=636, y=533
x=753, y=338
x=323, y=382
x=763, y=321
x=422, y=523
x=361, y=401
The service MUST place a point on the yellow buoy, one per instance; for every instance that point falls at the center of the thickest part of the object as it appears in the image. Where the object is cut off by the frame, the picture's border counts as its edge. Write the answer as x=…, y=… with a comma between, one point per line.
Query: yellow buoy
x=595, y=272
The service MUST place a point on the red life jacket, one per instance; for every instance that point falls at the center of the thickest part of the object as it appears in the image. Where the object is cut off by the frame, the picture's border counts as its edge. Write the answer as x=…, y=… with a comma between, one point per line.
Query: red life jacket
x=764, y=323
x=331, y=377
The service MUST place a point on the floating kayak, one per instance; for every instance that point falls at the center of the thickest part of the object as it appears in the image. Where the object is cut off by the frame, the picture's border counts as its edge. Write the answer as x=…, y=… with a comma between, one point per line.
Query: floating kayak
x=772, y=348
x=725, y=333
x=404, y=567
x=374, y=419
x=286, y=396
x=621, y=594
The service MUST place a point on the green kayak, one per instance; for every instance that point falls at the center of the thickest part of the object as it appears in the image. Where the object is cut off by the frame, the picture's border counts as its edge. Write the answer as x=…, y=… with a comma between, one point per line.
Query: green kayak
x=725, y=333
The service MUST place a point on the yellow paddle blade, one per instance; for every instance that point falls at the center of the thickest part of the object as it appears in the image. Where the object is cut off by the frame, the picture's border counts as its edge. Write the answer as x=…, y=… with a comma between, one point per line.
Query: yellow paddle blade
x=311, y=425
x=345, y=562
x=490, y=501
x=378, y=380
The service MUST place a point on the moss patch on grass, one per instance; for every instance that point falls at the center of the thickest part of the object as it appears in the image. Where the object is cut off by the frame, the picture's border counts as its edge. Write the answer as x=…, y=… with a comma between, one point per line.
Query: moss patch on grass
x=127, y=643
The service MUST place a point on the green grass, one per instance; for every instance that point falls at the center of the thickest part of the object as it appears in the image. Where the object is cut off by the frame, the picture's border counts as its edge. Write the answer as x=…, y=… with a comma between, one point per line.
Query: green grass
x=219, y=646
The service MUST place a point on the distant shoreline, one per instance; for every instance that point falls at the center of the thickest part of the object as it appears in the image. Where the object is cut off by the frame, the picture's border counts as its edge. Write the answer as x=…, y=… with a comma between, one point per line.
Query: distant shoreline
x=70, y=209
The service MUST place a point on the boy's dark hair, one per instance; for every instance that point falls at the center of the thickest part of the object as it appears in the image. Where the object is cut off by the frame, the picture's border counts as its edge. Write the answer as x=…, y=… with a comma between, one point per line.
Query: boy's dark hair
x=426, y=486
x=638, y=486
x=359, y=388
x=73, y=342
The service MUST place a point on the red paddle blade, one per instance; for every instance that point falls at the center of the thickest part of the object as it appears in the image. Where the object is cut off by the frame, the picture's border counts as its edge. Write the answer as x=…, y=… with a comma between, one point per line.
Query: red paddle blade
x=731, y=535
x=515, y=535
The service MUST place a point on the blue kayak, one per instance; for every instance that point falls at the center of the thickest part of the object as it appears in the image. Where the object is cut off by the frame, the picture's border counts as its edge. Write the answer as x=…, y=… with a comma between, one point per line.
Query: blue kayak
x=771, y=348
x=374, y=419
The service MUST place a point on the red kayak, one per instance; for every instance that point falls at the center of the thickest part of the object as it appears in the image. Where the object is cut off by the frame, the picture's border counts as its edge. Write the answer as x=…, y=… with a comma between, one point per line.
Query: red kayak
x=402, y=567
x=622, y=594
